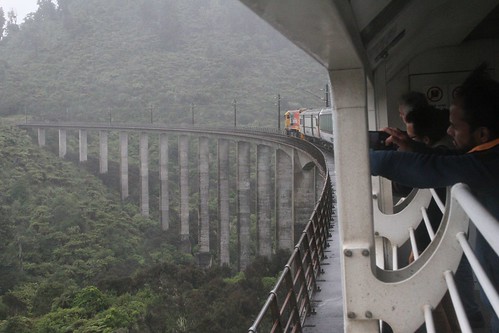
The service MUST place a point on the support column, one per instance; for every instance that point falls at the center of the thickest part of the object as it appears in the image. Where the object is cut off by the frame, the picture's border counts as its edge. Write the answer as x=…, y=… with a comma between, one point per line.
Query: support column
x=353, y=190
x=164, y=198
x=103, y=149
x=83, y=145
x=41, y=137
x=284, y=200
x=263, y=193
x=223, y=201
x=319, y=183
x=243, y=203
x=304, y=192
x=144, y=174
x=124, y=164
x=183, y=149
x=62, y=143
x=204, y=257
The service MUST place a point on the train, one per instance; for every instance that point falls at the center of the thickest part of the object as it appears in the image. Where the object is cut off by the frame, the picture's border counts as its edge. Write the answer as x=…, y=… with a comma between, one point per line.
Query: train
x=314, y=125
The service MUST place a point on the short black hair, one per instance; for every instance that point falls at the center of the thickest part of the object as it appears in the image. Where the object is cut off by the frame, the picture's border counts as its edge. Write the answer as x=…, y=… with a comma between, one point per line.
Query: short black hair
x=413, y=100
x=429, y=121
x=479, y=98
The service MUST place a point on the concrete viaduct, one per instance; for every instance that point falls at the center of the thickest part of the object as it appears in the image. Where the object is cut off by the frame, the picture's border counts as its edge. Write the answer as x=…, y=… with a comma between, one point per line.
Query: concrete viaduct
x=298, y=180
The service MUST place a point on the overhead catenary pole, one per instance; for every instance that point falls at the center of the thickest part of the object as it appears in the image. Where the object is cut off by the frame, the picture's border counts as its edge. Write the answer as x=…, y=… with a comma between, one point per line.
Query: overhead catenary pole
x=234, y=103
x=279, y=112
x=192, y=113
x=327, y=95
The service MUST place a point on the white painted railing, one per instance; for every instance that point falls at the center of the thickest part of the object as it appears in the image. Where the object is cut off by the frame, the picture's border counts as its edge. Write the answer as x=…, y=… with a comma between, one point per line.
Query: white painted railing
x=489, y=228
x=405, y=296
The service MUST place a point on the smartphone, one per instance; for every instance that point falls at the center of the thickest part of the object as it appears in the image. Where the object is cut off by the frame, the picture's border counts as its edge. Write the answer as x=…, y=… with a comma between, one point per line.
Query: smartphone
x=377, y=140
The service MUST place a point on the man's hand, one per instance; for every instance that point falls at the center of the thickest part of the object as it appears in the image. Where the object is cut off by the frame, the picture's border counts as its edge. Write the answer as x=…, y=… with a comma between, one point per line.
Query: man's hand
x=399, y=138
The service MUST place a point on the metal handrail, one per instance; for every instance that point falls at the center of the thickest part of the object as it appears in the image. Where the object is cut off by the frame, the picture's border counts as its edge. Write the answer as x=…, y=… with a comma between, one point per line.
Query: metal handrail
x=297, y=282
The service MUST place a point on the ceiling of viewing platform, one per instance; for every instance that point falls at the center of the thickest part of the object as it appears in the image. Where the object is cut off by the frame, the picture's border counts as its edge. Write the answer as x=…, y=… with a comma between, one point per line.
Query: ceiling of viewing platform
x=342, y=34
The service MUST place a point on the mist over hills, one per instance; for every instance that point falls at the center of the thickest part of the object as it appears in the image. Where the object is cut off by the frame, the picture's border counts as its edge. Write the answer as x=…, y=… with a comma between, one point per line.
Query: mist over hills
x=96, y=60
x=75, y=258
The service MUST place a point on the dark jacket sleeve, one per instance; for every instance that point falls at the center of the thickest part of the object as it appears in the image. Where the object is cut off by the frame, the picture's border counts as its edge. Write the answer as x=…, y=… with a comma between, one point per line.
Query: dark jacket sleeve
x=433, y=170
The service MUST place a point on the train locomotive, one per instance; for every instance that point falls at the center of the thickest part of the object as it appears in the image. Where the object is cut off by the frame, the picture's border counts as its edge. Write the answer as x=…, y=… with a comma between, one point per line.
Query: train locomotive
x=314, y=125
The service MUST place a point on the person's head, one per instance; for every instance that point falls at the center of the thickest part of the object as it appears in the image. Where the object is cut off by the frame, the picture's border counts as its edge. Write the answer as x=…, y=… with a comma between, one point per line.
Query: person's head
x=474, y=113
x=428, y=125
x=411, y=101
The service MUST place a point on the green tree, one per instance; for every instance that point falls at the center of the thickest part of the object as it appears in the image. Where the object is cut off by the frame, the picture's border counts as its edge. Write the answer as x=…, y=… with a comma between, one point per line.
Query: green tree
x=12, y=26
x=91, y=300
x=46, y=9
x=61, y=320
x=17, y=324
x=45, y=296
x=2, y=22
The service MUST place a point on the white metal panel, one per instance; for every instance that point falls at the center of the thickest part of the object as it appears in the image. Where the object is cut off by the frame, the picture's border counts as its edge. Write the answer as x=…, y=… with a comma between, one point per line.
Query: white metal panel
x=395, y=226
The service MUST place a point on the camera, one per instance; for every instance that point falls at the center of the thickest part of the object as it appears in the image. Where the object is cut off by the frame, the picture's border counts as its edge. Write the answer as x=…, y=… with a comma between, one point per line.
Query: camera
x=377, y=141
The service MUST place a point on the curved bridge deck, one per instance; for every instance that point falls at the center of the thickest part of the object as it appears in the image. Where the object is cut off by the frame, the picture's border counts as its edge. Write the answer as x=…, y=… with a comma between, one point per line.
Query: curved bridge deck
x=328, y=302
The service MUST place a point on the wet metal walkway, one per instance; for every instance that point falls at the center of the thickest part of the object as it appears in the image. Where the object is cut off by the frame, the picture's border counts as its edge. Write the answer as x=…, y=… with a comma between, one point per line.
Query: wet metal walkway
x=328, y=302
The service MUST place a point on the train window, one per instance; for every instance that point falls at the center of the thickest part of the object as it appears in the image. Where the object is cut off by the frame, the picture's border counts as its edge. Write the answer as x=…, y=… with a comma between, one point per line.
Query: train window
x=326, y=123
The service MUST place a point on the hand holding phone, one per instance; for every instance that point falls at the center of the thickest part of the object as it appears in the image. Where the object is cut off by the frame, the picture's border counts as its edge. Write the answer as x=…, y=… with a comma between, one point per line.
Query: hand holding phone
x=377, y=141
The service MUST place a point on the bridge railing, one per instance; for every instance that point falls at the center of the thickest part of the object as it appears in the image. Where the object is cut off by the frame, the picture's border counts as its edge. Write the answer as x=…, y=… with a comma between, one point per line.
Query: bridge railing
x=431, y=274
x=288, y=304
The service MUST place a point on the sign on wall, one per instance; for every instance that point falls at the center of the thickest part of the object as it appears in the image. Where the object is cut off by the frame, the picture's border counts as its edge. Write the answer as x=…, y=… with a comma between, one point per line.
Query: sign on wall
x=439, y=88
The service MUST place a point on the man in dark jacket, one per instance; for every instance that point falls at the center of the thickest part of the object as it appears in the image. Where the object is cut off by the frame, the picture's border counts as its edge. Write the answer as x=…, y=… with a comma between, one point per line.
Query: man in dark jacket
x=474, y=128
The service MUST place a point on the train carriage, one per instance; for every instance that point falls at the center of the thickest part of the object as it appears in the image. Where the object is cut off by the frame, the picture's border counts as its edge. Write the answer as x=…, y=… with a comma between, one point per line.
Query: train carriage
x=309, y=124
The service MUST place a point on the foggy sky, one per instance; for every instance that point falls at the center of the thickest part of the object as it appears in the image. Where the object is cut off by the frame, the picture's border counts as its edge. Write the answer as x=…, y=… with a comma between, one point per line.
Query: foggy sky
x=21, y=7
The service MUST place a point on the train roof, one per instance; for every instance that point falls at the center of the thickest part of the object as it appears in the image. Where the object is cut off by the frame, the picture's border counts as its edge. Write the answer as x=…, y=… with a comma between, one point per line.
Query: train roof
x=362, y=34
x=294, y=111
x=317, y=110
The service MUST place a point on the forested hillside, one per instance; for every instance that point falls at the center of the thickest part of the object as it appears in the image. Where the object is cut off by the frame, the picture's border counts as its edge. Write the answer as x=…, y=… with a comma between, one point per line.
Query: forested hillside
x=74, y=259
x=120, y=59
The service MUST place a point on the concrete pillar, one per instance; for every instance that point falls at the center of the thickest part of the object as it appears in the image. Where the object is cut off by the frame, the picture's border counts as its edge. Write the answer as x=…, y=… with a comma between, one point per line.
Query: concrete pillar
x=41, y=137
x=223, y=201
x=284, y=200
x=204, y=193
x=183, y=149
x=243, y=203
x=263, y=193
x=319, y=183
x=62, y=143
x=164, y=199
x=144, y=174
x=124, y=164
x=83, y=145
x=103, y=149
x=304, y=193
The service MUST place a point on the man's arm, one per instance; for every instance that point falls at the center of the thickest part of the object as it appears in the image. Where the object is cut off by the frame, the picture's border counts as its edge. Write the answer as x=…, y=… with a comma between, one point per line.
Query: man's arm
x=430, y=170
